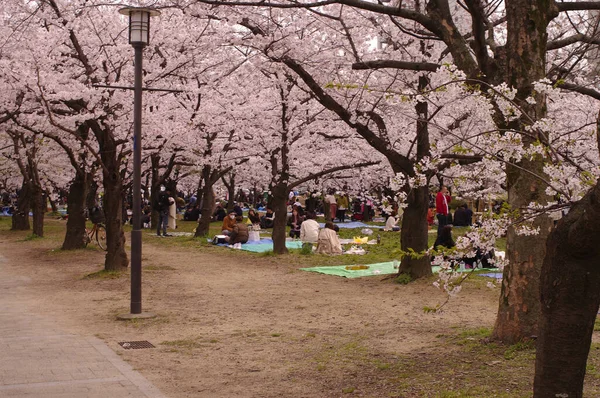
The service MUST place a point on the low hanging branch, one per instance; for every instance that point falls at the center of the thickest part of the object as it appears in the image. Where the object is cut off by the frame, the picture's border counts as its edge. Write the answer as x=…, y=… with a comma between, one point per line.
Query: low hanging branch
x=393, y=64
x=329, y=171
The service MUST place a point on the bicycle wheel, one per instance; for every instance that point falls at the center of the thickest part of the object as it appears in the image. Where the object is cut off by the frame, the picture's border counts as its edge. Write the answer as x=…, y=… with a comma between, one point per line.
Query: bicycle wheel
x=101, y=236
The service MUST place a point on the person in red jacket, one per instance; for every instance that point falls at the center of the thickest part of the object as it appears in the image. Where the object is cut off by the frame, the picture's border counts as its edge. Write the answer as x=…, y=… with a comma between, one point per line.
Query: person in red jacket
x=442, y=202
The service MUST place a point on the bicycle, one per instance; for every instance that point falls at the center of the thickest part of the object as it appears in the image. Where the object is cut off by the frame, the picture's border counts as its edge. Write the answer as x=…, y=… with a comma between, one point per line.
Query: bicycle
x=97, y=233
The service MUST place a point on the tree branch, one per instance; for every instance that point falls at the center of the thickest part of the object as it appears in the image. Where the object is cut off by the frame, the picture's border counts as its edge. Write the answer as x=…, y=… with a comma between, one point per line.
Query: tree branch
x=556, y=44
x=393, y=64
x=329, y=171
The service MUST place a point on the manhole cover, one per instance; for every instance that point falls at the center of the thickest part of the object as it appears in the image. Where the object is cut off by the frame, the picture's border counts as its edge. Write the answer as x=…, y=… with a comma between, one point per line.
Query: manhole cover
x=135, y=345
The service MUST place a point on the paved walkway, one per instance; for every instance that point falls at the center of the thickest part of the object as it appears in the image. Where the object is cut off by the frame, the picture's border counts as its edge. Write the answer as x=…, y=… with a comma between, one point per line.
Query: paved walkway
x=38, y=359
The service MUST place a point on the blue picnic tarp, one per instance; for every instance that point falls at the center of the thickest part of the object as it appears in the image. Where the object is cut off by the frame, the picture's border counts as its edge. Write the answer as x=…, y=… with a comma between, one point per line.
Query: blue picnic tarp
x=266, y=244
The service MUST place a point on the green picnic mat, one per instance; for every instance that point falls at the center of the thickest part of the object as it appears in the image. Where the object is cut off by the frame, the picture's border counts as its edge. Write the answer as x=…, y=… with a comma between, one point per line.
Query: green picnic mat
x=374, y=270
x=340, y=270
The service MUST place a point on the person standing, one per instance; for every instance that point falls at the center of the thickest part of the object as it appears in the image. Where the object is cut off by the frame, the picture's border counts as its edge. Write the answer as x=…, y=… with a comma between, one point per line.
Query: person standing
x=331, y=201
x=442, y=200
x=162, y=206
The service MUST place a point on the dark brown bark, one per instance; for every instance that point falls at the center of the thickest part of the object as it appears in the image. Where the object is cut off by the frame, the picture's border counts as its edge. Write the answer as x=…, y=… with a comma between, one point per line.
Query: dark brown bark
x=414, y=231
x=570, y=298
x=208, y=201
x=76, y=199
x=414, y=234
x=116, y=257
x=279, y=195
x=38, y=206
x=20, y=217
x=230, y=185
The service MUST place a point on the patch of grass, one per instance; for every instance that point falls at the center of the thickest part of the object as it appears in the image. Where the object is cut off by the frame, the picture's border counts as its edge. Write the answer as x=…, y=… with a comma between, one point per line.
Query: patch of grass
x=31, y=237
x=185, y=344
x=306, y=250
x=348, y=390
x=275, y=334
x=159, y=268
x=478, y=332
x=519, y=348
x=104, y=274
x=403, y=279
x=268, y=253
x=597, y=325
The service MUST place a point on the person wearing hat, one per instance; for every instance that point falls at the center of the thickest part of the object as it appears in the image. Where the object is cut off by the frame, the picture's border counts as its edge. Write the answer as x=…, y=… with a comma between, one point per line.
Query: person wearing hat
x=228, y=223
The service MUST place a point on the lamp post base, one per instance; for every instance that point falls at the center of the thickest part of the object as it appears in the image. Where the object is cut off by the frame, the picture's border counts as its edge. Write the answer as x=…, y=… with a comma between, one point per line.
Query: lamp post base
x=143, y=315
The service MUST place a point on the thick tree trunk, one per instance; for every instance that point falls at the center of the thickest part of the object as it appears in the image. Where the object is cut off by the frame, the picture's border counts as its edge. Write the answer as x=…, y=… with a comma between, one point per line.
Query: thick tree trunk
x=278, y=204
x=208, y=200
x=519, y=306
x=116, y=257
x=20, y=217
x=76, y=199
x=38, y=206
x=570, y=298
x=518, y=311
x=414, y=234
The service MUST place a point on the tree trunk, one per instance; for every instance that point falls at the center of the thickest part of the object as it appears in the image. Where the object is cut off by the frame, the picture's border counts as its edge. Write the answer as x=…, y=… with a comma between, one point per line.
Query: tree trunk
x=38, y=205
x=414, y=233
x=208, y=200
x=278, y=204
x=20, y=217
x=570, y=298
x=116, y=257
x=76, y=199
x=518, y=311
x=92, y=194
x=230, y=192
x=519, y=306
x=52, y=204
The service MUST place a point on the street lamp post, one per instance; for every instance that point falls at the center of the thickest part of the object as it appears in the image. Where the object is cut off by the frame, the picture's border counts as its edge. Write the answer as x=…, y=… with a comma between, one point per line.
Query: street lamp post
x=139, y=37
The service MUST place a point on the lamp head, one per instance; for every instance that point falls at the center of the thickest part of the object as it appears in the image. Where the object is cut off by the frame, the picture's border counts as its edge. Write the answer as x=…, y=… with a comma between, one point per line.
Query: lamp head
x=139, y=23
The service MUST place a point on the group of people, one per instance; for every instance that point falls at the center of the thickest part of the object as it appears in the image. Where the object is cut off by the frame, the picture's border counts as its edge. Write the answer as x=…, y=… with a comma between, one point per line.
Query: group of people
x=326, y=239
x=463, y=216
x=167, y=212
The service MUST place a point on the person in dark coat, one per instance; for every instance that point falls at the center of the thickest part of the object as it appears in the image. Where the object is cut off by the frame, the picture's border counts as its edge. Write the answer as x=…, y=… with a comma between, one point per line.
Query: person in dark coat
x=238, y=210
x=162, y=206
x=463, y=216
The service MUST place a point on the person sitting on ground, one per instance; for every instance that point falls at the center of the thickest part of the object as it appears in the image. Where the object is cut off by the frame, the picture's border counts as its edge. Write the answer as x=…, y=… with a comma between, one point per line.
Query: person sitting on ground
x=328, y=241
x=445, y=239
x=431, y=215
x=463, y=216
x=295, y=222
x=219, y=214
x=391, y=223
x=228, y=223
x=192, y=213
x=309, y=229
x=238, y=210
x=267, y=220
x=240, y=233
x=253, y=217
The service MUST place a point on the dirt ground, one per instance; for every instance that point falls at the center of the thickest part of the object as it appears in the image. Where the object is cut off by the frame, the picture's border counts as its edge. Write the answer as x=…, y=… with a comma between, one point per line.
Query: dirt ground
x=242, y=325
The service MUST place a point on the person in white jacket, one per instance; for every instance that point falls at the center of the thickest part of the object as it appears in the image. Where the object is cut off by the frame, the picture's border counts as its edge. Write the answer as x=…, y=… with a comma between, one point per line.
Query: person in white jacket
x=309, y=229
